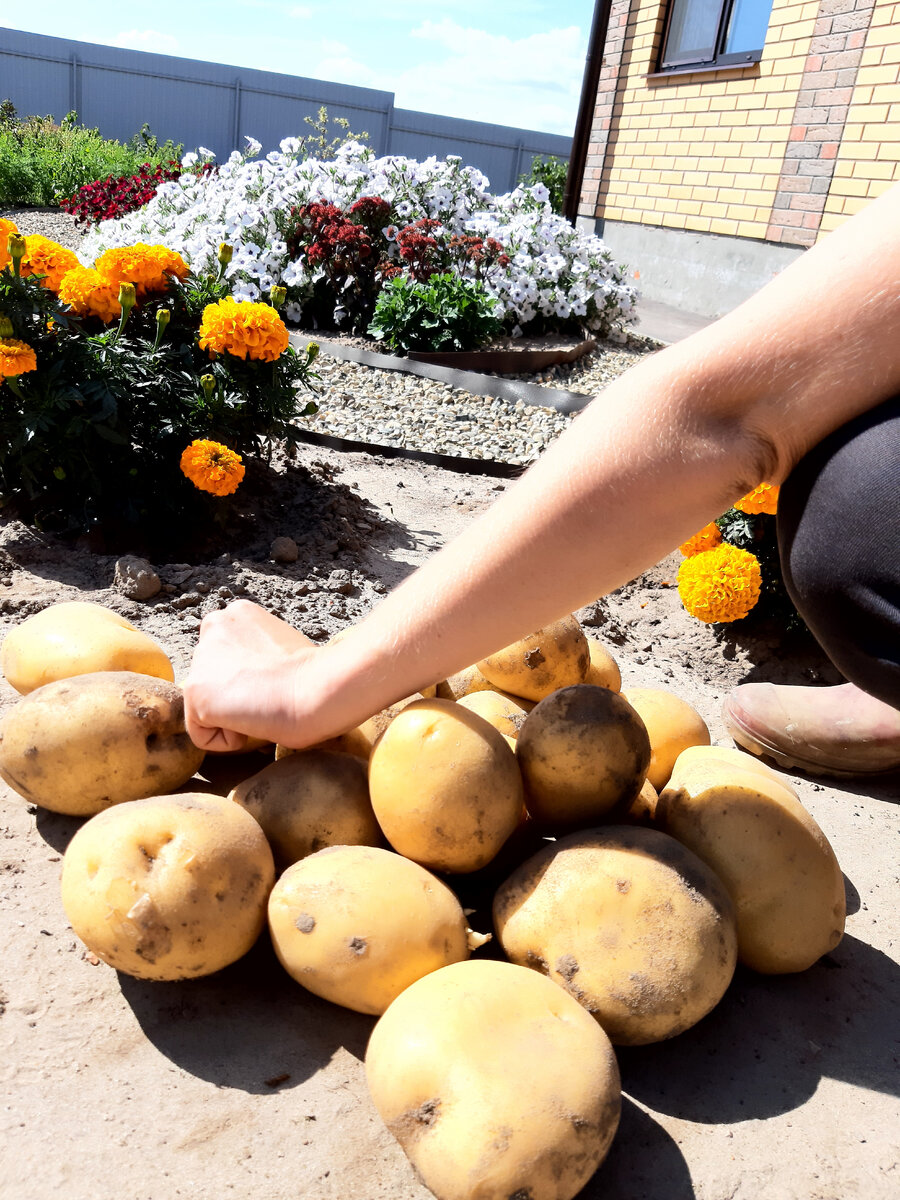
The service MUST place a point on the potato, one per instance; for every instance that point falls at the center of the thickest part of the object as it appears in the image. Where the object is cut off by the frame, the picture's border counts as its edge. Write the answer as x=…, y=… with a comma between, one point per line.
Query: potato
x=356, y=925
x=630, y=922
x=604, y=670
x=463, y=683
x=556, y=656
x=582, y=751
x=495, y=1083
x=445, y=786
x=79, y=745
x=773, y=858
x=311, y=799
x=696, y=756
x=505, y=712
x=171, y=887
x=642, y=809
x=360, y=740
x=76, y=638
x=672, y=725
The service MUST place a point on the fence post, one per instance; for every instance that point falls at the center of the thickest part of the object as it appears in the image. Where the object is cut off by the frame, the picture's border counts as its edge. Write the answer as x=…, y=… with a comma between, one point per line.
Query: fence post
x=520, y=146
x=388, y=126
x=236, y=116
x=74, y=84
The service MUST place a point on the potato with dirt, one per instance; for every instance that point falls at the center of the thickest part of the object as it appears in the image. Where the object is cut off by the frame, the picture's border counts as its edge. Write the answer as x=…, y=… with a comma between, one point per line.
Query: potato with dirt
x=604, y=670
x=495, y=1083
x=631, y=923
x=583, y=752
x=505, y=712
x=75, y=637
x=309, y=800
x=358, y=924
x=554, y=657
x=749, y=826
x=672, y=726
x=445, y=786
x=84, y=743
x=170, y=887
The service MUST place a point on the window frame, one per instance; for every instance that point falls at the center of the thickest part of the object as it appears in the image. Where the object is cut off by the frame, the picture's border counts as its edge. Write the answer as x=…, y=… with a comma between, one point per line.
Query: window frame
x=719, y=58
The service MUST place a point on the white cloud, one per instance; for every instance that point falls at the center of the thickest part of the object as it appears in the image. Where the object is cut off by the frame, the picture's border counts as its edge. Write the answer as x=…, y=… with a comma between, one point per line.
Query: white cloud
x=300, y=12
x=146, y=39
x=531, y=83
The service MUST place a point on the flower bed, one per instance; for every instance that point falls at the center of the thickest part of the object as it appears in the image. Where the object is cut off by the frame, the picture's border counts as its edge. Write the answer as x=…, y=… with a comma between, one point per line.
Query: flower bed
x=335, y=233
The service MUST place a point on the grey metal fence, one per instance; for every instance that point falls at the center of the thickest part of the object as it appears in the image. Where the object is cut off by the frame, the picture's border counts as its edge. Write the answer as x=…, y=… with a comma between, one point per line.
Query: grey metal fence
x=213, y=105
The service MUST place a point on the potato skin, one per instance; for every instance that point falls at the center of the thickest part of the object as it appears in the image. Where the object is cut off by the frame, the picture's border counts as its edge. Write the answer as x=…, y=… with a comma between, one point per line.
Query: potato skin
x=445, y=786
x=773, y=858
x=309, y=800
x=495, y=1083
x=583, y=752
x=170, y=887
x=76, y=638
x=358, y=924
x=81, y=744
x=629, y=922
x=672, y=725
x=604, y=670
x=505, y=712
x=554, y=657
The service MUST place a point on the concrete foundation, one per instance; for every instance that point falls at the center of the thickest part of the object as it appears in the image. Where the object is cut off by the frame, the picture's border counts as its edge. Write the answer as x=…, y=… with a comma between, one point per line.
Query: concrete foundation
x=704, y=273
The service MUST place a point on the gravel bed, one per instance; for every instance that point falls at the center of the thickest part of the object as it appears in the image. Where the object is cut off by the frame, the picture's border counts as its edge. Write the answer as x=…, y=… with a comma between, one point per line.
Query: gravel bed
x=393, y=409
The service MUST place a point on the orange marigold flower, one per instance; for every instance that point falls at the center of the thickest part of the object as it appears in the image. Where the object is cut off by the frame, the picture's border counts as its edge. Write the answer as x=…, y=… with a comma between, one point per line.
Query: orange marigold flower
x=245, y=329
x=212, y=467
x=721, y=584
x=6, y=228
x=48, y=258
x=16, y=357
x=90, y=294
x=708, y=537
x=763, y=499
x=147, y=267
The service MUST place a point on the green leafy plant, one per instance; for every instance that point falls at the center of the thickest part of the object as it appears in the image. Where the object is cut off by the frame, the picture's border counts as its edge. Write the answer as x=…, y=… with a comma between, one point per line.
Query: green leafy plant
x=42, y=160
x=443, y=313
x=95, y=418
x=321, y=146
x=552, y=173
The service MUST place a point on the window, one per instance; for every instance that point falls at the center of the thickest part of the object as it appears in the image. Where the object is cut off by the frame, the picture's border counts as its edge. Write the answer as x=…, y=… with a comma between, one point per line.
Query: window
x=706, y=33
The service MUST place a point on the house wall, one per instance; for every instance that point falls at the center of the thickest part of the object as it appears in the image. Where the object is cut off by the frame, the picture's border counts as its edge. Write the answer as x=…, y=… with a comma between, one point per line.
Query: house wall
x=774, y=153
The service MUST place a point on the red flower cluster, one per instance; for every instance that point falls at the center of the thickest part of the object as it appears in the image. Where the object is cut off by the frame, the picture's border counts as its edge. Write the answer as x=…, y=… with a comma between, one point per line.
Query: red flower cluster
x=117, y=195
x=371, y=211
x=418, y=249
x=478, y=252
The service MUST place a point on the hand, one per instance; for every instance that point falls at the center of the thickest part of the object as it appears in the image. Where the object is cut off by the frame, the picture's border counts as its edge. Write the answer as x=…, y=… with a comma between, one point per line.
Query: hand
x=242, y=678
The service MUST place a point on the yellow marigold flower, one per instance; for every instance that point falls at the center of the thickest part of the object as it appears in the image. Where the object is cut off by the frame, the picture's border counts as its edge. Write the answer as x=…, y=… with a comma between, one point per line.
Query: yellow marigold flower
x=147, y=267
x=245, y=329
x=708, y=537
x=721, y=584
x=16, y=357
x=6, y=228
x=763, y=499
x=45, y=257
x=90, y=294
x=212, y=467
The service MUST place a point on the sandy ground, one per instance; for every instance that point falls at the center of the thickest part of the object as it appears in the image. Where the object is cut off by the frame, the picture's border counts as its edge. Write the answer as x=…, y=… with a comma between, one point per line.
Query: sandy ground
x=243, y=1085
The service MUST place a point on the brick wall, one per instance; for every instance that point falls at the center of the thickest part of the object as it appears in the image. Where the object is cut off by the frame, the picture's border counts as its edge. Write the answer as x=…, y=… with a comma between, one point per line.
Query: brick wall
x=771, y=150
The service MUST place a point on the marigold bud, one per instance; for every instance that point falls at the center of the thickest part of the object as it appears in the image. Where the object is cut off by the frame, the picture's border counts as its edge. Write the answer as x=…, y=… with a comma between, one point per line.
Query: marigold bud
x=208, y=383
x=312, y=352
x=126, y=297
x=6, y=329
x=277, y=296
x=225, y=253
x=16, y=246
x=163, y=317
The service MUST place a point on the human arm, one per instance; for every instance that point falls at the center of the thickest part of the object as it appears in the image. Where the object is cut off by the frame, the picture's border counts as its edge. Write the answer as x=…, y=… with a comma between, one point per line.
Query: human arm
x=661, y=452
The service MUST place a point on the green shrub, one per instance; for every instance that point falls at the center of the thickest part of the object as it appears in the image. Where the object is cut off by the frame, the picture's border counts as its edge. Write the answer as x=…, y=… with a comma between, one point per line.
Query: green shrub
x=444, y=313
x=552, y=173
x=42, y=161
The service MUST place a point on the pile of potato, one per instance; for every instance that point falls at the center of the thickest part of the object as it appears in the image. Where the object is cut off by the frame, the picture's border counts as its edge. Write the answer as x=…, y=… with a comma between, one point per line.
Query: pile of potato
x=634, y=865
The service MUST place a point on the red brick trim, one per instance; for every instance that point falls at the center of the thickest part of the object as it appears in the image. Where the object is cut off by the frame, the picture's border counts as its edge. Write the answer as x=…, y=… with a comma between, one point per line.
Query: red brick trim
x=589, y=199
x=820, y=115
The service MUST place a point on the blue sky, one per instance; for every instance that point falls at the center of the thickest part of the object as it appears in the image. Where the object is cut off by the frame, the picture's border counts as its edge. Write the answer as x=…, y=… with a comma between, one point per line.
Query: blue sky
x=514, y=62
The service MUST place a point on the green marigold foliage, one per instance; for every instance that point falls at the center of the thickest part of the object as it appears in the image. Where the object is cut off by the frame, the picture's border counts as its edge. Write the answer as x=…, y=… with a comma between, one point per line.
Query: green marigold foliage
x=443, y=313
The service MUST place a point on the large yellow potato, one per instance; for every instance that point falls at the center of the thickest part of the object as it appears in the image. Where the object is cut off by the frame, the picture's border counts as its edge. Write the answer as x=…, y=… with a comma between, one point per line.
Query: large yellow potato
x=445, y=786
x=630, y=922
x=360, y=740
x=82, y=744
x=496, y=1084
x=171, y=887
x=505, y=712
x=556, y=656
x=773, y=858
x=672, y=725
x=604, y=670
x=583, y=752
x=357, y=925
x=463, y=683
x=309, y=800
x=75, y=638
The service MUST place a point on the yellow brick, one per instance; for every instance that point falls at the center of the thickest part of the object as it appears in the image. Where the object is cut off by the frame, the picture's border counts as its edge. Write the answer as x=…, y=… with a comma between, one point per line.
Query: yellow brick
x=676, y=220
x=843, y=169
x=879, y=170
x=751, y=229
x=889, y=151
x=854, y=204
x=698, y=223
x=884, y=35
x=721, y=225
